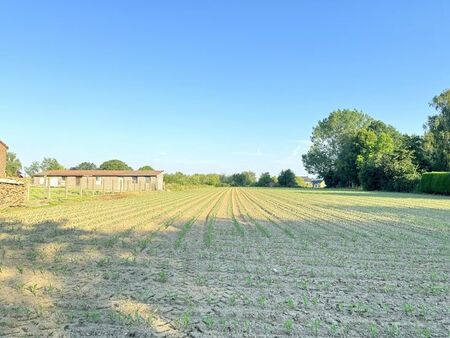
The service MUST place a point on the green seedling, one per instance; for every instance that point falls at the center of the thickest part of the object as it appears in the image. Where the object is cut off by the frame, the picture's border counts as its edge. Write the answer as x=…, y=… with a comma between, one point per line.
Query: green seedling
x=289, y=326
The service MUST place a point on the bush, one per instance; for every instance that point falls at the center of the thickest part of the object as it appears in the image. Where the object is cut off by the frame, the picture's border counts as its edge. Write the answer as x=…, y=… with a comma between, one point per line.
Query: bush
x=435, y=183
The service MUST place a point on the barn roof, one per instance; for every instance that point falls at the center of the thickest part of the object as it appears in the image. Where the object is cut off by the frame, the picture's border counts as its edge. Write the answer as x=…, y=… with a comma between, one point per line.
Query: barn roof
x=118, y=173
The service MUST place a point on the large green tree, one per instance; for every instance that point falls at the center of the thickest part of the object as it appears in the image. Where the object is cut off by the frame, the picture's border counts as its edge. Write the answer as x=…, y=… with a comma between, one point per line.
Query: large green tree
x=114, y=165
x=416, y=145
x=437, y=133
x=49, y=163
x=195, y=179
x=13, y=164
x=383, y=160
x=371, y=144
x=33, y=168
x=85, y=166
x=399, y=171
x=146, y=167
x=287, y=178
x=331, y=155
x=265, y=180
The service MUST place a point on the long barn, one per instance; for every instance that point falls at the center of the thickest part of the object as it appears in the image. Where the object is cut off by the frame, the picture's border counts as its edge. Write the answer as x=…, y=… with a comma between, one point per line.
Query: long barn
x=110, y=180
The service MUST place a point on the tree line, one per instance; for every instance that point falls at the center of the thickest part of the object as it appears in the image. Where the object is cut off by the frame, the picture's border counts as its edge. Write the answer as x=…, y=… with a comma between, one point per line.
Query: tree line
x=286, y=178
x=350, y=148
x=13, y=166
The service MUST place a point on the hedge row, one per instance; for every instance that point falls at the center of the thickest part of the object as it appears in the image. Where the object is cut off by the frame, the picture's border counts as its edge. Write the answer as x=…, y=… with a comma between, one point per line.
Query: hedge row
x=435, y=183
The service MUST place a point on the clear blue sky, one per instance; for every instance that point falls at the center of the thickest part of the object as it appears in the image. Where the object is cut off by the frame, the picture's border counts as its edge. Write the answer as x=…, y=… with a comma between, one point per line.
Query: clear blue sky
x=210, y=86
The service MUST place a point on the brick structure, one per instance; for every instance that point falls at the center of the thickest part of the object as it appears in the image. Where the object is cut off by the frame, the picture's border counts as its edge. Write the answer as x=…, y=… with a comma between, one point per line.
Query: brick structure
x=3, y=151
x=109, y=180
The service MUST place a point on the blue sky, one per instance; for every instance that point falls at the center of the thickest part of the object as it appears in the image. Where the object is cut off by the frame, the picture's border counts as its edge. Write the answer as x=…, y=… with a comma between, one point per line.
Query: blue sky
x=210, y=86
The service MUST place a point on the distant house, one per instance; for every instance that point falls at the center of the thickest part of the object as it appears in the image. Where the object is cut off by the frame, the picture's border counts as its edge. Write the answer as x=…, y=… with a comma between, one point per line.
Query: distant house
x=318, y=183
x=306, y=182
x=109, y=180
x=313, y=182
x=3, y=151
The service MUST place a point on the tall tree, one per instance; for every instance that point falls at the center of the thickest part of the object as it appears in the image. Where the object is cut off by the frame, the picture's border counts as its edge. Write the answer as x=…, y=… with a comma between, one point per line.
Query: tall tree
x=265, y=180
x=33, y=168
x=416, y=145
x=287, y=178
x=399, y=171
x=331, y=155
x=437, y=133
x=383, y=160
x=237, y=180
x=49, y=163
x=85, y=166
x=249, y=178
x=371, y=144
x=146, y=167
x=243, y=179
x=114, y=165
x=13, y=164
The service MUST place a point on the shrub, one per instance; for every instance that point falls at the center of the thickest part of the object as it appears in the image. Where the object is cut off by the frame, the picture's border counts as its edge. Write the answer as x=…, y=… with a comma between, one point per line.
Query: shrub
x=435, y=183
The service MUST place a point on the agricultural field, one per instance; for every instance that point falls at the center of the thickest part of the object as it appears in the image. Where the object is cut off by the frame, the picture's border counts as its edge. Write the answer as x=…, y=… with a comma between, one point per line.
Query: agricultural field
x=228, y=262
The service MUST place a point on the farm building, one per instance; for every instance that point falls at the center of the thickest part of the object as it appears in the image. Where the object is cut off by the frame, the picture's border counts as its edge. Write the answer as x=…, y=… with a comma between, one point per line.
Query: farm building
x=3, y=151
x=307, y=181
x=315, y=183
x=318, y=183
x=109, y=180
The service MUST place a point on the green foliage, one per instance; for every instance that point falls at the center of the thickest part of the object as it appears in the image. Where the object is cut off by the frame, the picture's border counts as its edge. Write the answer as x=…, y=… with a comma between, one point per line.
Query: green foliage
x=331, y=155
x=114, y=165
x=383, y=161
x=400, y=173
x=416, y=145
x=13, y=164
x=367, y=152
x=287, y=178
x=265, y=180
x=437, y=135
x=246, y=178
x=49, y=163
x=85, y=166
x=373, y=146
x=435, y=183
x=146, y=167
x=193, y=180
x=33, y=168
x=243, y=179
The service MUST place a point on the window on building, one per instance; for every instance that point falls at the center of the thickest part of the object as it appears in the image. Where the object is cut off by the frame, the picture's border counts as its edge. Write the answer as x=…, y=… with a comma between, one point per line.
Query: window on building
x=135, y=179
x=98, y=180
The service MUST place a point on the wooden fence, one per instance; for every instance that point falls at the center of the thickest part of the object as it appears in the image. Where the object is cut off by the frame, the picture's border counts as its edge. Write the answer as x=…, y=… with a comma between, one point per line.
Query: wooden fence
x=48, y=192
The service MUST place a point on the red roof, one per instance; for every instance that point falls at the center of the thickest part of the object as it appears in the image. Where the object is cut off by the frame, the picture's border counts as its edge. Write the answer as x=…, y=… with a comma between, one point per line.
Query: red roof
x=120, y=173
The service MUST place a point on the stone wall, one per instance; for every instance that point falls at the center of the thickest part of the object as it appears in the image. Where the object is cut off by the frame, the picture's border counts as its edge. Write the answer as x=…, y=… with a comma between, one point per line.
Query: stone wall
x=13, y=193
